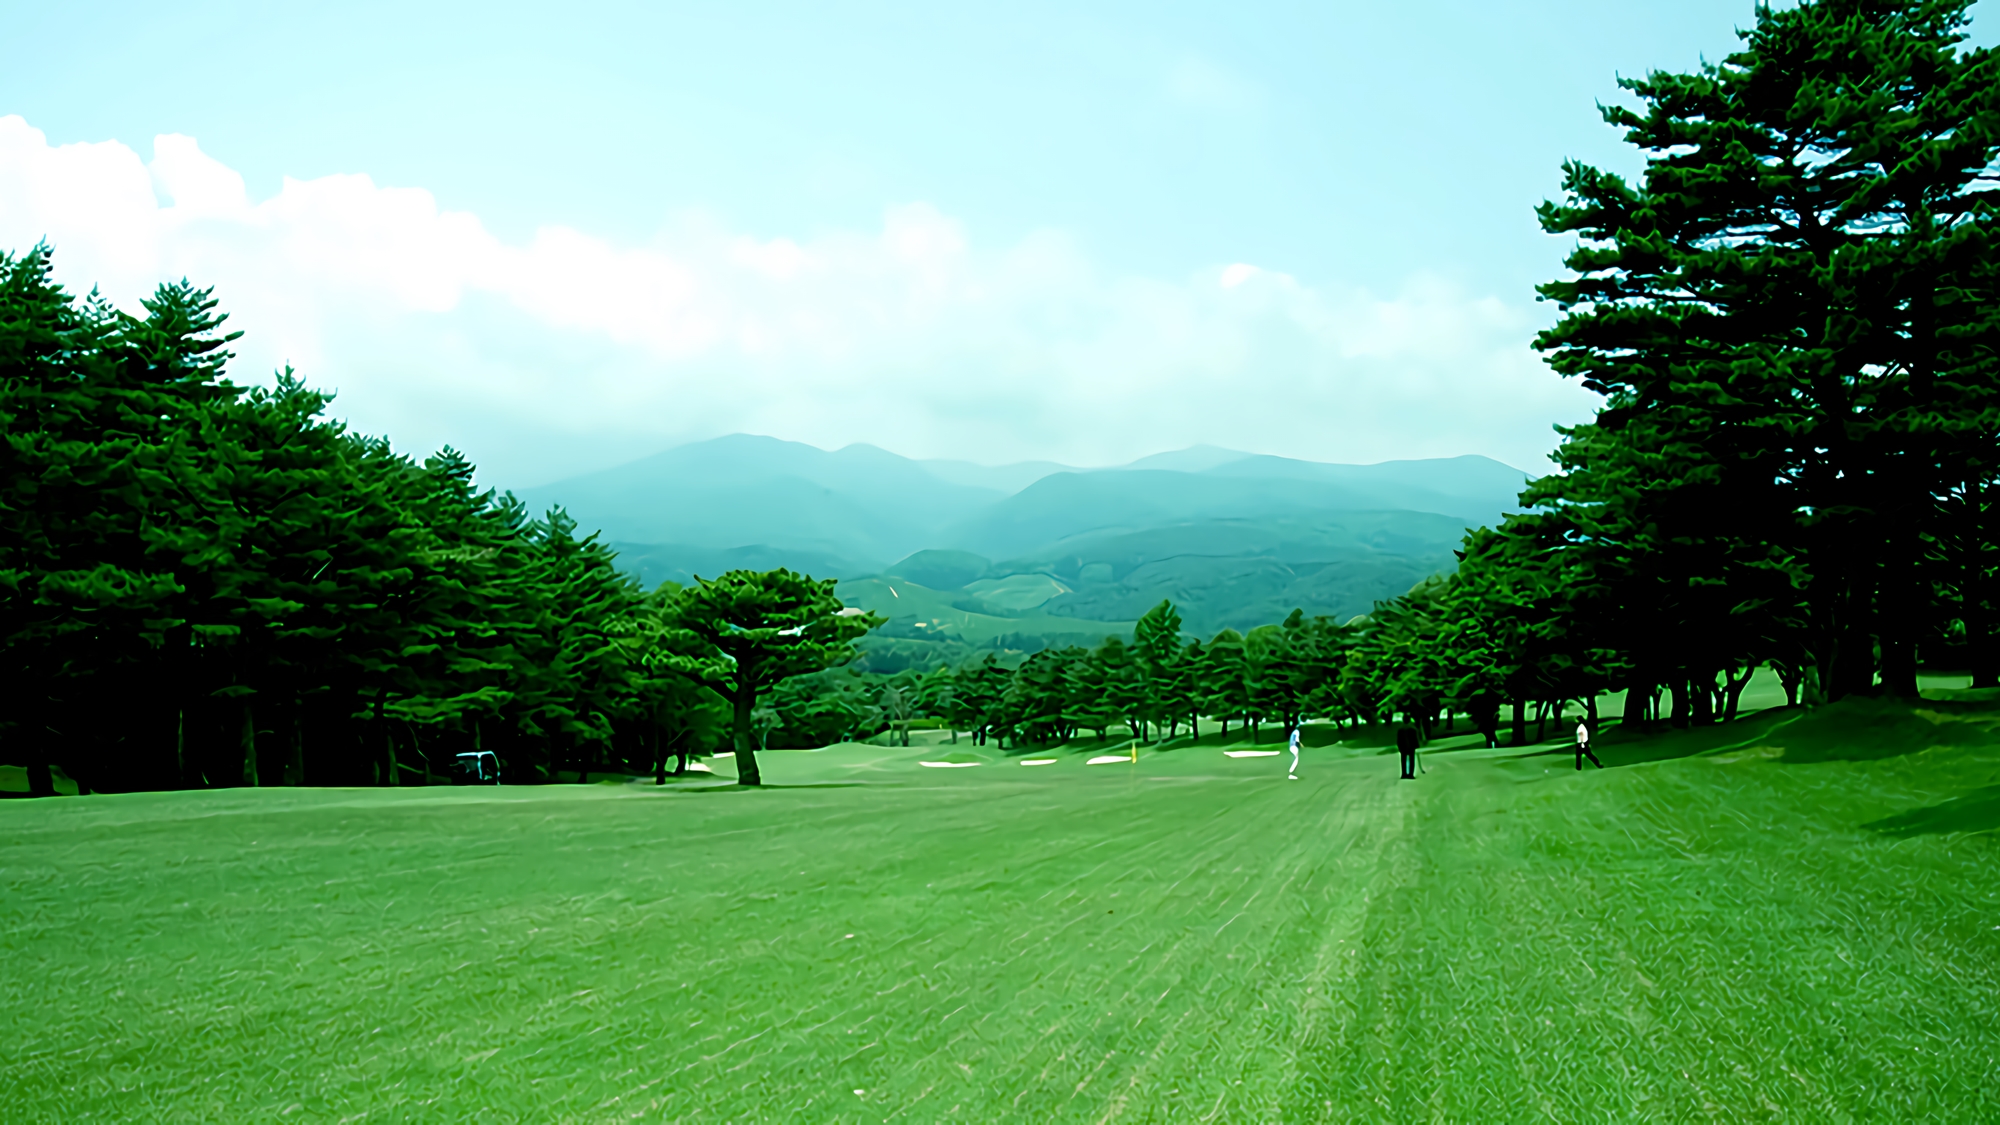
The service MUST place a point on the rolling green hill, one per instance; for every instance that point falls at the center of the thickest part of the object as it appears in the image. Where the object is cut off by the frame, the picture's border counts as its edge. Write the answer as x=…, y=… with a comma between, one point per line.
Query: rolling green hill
x=1066, y=505
x=680, y=563
x=1220, y=573
x=1040, y=549
x=919, y=613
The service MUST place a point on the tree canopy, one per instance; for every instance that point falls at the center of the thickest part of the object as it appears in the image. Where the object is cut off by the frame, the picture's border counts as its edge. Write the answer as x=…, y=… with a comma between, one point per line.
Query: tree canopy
x=742, y=633
x=207, y=584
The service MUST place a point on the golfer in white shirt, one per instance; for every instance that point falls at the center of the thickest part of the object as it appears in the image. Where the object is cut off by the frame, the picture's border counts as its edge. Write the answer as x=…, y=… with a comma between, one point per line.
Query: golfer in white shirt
x=1583, y=746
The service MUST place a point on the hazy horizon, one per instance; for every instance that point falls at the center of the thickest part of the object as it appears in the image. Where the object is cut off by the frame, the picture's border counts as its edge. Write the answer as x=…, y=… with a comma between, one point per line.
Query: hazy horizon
x=1058, y=466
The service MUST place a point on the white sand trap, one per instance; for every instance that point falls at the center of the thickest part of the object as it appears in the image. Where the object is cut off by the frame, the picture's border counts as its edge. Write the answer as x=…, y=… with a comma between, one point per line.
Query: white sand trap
x=699, y=767
x=1253, y=753
x=1038, y=761
x=947, y=765
x=1107, y=759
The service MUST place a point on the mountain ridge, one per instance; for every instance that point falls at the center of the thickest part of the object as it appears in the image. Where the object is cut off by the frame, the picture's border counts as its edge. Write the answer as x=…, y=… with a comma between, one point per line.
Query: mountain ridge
x=1230, y=536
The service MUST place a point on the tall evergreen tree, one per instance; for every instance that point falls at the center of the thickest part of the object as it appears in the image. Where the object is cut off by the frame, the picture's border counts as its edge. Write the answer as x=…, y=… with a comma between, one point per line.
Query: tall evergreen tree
x=1799, y=291
x=751, y=630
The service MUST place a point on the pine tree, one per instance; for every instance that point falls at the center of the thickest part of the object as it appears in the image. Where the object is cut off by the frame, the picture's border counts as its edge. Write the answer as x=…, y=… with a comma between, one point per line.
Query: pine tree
x=746, y=632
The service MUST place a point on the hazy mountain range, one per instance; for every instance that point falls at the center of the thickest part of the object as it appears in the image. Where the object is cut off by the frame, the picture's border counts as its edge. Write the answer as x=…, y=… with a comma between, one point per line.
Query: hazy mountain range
x=1236, y=539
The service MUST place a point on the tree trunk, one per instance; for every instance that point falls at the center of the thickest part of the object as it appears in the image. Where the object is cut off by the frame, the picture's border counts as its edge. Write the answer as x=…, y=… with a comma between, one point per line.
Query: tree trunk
x=1899, y=662
x=1702, y=697
x=746, y=752
x=1520, y=722
x=1733, y=692
x=295, y=757
x=388, y=760
x=1486, y=719
x=1811, y=693
x=1679, y=688
x=659, y=758
x=1789, y=675
x=41, y=779
x=1974, y=592
x=180, y=748
x=248, y=744
x=1854, y=673
x=1638, y=694
x=417, y=744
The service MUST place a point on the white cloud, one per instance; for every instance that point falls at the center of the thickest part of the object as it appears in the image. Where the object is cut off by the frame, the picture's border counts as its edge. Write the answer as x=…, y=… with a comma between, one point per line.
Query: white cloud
x=569, y=352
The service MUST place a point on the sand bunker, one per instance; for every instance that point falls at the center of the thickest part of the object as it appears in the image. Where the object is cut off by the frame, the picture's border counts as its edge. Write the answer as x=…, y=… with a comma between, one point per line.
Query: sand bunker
x=1107, y=759
x=947, y=765
x=1253, y=753
x=1038, y=761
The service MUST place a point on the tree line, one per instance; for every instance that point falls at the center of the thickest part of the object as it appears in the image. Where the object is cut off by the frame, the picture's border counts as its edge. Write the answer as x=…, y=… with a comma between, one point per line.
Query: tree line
x=1793, y=319
x=1791, y=315
x=203, y=584
x=1150, y=688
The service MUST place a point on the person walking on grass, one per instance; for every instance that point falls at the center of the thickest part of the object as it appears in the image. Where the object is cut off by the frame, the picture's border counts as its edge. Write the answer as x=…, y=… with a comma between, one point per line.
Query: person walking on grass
x=1406, y=744
x=1583, y=745
x=1295, y=754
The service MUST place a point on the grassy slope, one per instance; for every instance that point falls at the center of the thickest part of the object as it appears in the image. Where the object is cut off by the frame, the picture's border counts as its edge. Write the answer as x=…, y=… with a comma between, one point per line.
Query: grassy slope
x=1799, y=921
x=911, y=602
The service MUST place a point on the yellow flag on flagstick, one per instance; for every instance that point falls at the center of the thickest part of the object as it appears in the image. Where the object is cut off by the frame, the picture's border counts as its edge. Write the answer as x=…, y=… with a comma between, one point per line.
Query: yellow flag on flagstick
x=1135, y=751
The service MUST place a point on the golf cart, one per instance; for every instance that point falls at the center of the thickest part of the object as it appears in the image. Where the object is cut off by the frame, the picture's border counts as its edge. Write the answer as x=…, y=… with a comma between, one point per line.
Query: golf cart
x=477, y=767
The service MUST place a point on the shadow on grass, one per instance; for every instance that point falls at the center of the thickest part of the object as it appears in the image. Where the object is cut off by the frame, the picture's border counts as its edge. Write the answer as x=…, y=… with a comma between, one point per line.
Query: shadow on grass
x=1860, y=729
x=1619, y=745
x=1856, y=729
x=726, y=786
x=1977, y=811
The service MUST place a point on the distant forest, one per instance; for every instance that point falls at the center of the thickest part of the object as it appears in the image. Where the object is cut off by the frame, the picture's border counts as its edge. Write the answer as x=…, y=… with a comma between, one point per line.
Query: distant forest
x=1791, y=316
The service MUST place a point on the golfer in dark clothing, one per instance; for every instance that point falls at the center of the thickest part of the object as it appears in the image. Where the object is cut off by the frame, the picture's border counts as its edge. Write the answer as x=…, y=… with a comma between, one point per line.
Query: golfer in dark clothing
x=1406, y=741
x=1583, y=746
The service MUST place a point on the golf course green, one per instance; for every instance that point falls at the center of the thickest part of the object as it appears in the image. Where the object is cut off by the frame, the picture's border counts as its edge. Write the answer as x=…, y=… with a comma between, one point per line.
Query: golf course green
x=1796, y=915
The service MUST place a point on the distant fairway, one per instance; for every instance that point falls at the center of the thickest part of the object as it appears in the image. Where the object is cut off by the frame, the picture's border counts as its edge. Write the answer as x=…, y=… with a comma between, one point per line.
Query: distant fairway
x=1802, y=921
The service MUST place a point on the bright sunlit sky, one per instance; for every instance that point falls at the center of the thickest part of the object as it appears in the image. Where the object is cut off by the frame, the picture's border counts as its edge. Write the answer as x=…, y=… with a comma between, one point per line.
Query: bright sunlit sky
x=561, y=237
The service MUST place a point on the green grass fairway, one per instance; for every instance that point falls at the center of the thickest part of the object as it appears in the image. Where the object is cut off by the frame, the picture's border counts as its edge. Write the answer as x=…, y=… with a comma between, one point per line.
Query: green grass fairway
x=1797, y=916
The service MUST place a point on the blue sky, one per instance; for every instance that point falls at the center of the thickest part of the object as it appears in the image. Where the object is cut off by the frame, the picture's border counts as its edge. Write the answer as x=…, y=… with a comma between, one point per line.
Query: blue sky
x=559, y=239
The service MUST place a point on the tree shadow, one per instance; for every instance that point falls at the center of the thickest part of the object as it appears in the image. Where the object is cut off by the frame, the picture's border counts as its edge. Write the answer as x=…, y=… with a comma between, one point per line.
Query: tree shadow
x=733, y=787
x=1977, y=811
x=1856, y=729
x=1619, y=745
x=1861, y=729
